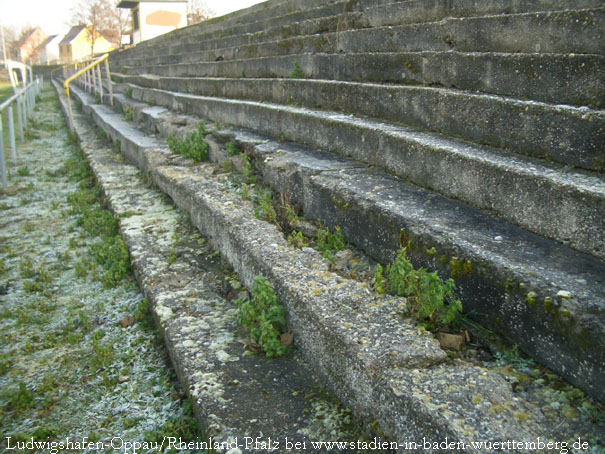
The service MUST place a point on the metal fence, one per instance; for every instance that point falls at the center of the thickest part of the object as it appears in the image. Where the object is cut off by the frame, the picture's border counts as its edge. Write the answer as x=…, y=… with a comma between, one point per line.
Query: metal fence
x=88, y=75
x=24, y=100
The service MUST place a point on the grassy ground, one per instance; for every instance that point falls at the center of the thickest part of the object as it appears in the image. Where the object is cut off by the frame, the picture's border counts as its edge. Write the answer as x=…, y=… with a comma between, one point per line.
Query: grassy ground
x=79, y=353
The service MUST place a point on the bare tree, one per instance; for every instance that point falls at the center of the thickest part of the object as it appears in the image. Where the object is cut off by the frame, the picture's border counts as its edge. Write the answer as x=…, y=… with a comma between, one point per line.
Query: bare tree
x=197, y=11
x=101, y=18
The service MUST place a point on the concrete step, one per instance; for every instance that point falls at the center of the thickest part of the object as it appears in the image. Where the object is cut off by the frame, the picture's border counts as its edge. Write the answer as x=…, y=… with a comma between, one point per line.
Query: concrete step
x=256, y=14
x=504, y=262
x=553, y=202
x=185, y=283
x=513, y=33
x=335, y=17
x=562, y=79
x=554, y=132
x=405, y=386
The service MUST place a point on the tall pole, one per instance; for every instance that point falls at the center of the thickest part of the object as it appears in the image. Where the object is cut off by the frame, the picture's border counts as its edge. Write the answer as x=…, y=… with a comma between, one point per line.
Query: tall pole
x=3, y=47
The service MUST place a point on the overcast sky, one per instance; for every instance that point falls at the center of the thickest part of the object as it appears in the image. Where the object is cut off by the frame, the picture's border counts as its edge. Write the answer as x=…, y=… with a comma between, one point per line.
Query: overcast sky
x=52, y=15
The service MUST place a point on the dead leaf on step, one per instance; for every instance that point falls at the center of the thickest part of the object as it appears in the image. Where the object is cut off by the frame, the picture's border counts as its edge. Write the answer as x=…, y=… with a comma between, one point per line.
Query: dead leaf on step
x=287, y=339
x=127, y=321
x=451, y=341
x=253, y=346
x=123, y=379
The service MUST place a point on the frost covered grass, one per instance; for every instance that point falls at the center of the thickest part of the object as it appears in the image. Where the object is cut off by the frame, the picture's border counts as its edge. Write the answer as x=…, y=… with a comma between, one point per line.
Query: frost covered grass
x=79, y=352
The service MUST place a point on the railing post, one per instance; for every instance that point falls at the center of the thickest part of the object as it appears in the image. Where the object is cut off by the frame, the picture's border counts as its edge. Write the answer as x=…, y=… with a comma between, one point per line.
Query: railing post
x=19, y=117
x=94, y=81
x=98, y=71
x=70, y=119
x=109, y=81
x=11, y=135
x=24, y=109
x=2, y=164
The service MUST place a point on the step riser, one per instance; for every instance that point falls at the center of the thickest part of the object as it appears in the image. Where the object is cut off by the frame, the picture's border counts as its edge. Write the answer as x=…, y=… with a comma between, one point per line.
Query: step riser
x=474, y=181
x=573, y=80
x=535, y=130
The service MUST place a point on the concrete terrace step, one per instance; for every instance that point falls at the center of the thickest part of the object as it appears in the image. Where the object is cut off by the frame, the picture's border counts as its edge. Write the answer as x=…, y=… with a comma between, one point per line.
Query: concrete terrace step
x=515, y=33
x=278, y=398
x=335, y=17
x=256, y=14
x=516, y=188
x=554, y=132
x=562, y=79
x=404, y=386
x=373, y=210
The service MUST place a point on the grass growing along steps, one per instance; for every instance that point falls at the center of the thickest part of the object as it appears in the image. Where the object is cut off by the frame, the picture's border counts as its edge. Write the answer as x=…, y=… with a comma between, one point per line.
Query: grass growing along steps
x=68, y=366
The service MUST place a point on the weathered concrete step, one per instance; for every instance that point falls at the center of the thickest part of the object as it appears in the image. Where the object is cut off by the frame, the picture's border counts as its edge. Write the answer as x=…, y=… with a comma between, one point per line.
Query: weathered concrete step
x=536, y=129
x=333, y=17
x=234, y=395
x=406, y=394
x=493, y=261
x=416, y=11
x=514, y=33
x=555, y=203
x=561, y=79
x=259, y=13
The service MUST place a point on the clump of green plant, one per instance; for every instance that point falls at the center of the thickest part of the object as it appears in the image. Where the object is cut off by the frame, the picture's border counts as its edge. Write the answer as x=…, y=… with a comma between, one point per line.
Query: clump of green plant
x=128, y=113
x=245, y=191
x=264, y=318
x=23, y=171
x=109, y=250
x=430, y=299
x=128, y=92
x=297, y=72
x=328, y=243
x=379, y=281
x=118, y=145
x=248, y=170
x=232, y=149
x=265, y=209
x=512, y=357
x=112, y=254
x=21, y=399
x=193, y=147
x=297, y=239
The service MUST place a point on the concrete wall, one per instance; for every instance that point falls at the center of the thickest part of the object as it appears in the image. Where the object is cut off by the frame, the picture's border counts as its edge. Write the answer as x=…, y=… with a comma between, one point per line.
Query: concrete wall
x=158, y=18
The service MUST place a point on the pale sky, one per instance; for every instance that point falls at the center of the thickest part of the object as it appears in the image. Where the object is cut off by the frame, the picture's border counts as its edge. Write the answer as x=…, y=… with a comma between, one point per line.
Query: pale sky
x=52, y=15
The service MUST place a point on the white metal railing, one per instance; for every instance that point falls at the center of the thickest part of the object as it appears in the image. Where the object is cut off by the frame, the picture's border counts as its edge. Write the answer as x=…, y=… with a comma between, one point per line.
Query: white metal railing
x=87, y=74
x=24, y=70
x=25, y=100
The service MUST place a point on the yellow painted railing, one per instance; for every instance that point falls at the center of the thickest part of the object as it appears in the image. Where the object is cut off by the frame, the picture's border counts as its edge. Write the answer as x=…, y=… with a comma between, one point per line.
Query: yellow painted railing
x=88, y=75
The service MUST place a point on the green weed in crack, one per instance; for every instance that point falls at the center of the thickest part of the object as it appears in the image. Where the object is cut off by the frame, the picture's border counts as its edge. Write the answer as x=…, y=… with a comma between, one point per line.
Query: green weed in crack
x=430, y=299
x=193, y=147
x=264, y=318
x=328, y=243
